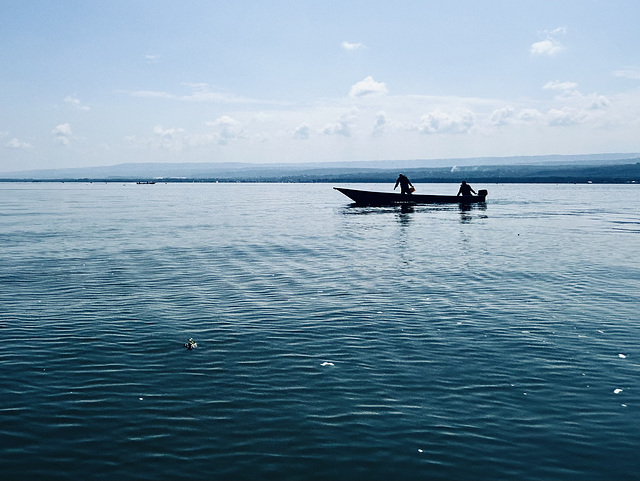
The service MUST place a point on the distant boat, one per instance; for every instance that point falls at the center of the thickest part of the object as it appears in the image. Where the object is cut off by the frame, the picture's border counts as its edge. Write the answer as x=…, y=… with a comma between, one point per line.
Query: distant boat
x=365, y=197
x=147, y=182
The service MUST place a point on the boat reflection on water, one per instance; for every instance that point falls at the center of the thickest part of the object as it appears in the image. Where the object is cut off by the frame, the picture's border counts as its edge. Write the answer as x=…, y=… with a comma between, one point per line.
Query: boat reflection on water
x=405, y=213
x=466, y=212
x=357, y=209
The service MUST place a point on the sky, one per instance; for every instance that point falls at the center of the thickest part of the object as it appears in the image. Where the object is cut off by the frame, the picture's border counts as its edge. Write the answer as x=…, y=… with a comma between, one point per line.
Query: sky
x=94, y=83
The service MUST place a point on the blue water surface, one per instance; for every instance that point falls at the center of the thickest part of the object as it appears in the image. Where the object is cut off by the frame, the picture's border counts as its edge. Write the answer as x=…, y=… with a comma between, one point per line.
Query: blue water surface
x=334, y=342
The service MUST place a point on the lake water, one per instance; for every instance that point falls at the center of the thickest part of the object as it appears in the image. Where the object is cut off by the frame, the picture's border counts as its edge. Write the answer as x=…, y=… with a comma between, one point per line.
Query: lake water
x=334, y=342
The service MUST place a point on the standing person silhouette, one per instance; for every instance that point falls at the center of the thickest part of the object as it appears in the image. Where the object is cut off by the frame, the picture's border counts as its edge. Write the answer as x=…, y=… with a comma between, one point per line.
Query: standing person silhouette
x=404, y=184
x=465, y=189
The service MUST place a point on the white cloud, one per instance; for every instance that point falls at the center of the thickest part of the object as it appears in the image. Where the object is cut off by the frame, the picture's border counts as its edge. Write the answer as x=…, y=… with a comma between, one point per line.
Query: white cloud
x=342, y=127
x=151, y=94
x=438, y=122
x=529, y=115
x=62, y=134
x=167, y=133
x=351, y=46
x=598, y=102
x=152, y=58
x=170, y=138
x=565, y=116
x=302, y=132
x=501, y=116
x=367, y=87
x=550, y=45
x=556, y=85
x=381, y=124
x=16, y=143
x=393, y=126
x=199, y=92
x=630, y=72
x=76, y=103
x=227, y=129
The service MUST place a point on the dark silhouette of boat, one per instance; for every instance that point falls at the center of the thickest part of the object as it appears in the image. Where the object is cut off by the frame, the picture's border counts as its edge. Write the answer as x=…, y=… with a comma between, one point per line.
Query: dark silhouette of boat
x=365, y=197
x=148, y=182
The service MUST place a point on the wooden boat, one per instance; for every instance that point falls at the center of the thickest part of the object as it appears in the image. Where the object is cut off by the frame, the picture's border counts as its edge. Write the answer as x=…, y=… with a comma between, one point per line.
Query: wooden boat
x=365, y=197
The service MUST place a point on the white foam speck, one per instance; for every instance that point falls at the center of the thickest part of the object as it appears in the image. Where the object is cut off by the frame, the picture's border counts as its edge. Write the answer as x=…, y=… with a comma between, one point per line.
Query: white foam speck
x=420, y=451
x=622, y=356
x=327, y=364
x=141, y=398
x=617, y=391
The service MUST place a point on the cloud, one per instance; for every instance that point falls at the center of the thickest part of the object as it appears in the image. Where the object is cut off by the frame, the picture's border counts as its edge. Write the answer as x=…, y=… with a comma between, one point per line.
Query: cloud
x=380, y=126
x=630, y=72
x=556, y=85
x=598, y=102
x=502, y=116
x=529, y=115
x=438, y=122
x=169, y=134
x=62, y=134
x=302, y=132
x=341, y=127
x=170, y=138
x=351, y=46
x=550, y=46
x=16, y=143
x=227, y=129
x=76, y=103
x=152, y=58
x=199, y=92
x=152, y=94
x=367, y=87
x=565, y=117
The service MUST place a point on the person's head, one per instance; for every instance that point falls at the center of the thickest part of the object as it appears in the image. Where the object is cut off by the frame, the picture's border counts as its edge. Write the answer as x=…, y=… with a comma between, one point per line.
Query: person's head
x=464, y=182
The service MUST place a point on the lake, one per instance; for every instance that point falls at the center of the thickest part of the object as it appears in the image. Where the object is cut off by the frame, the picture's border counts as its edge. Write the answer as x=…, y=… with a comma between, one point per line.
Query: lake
x=333, y=342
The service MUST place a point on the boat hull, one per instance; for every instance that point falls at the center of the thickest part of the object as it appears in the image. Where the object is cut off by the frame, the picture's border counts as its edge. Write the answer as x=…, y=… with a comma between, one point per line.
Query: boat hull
x=365, y=197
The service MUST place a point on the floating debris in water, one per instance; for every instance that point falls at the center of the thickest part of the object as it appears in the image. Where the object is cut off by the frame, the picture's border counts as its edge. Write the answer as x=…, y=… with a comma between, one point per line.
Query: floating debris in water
x=617, y=391
x=622, y=356
x=327, y=364
x=191, y=344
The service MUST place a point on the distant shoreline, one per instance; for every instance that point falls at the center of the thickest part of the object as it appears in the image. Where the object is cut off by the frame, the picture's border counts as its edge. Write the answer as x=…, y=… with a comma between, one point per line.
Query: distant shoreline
x=627, y=173
x=603, y=169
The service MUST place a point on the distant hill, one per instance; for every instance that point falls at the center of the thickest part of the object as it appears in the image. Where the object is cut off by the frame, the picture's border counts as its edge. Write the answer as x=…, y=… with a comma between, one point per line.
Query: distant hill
x=610, y=168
